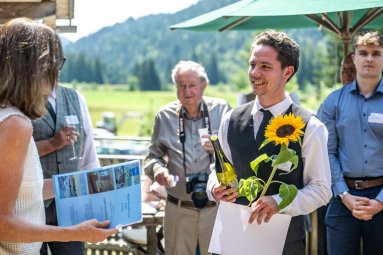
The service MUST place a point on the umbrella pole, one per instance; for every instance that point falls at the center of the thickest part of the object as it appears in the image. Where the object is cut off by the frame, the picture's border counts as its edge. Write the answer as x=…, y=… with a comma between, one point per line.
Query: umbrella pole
x=345, y=49
x=345, y=39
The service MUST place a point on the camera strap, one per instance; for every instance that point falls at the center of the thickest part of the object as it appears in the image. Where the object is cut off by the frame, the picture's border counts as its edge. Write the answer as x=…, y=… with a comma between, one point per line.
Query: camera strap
x=181, y=125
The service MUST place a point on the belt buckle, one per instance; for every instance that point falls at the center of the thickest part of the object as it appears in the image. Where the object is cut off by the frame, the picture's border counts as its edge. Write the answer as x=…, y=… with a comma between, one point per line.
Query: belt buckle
x=357, y=184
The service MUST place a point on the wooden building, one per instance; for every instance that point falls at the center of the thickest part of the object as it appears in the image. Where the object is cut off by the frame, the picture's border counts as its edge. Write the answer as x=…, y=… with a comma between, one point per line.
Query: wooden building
x=57, y=14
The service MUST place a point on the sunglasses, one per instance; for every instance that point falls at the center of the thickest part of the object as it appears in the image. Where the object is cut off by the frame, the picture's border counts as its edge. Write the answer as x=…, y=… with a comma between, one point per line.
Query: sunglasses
x=61, y=63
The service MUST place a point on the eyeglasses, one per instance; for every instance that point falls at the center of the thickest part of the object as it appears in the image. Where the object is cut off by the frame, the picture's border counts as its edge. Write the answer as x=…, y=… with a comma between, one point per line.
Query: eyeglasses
x=61, y=63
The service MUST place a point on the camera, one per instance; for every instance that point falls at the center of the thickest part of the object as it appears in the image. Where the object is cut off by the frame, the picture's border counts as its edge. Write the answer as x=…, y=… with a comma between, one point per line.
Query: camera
x=196, y=185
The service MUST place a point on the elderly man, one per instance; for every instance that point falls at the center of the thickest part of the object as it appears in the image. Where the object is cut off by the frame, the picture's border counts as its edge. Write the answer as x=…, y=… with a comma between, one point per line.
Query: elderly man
x=353, y=116
x=176, y=149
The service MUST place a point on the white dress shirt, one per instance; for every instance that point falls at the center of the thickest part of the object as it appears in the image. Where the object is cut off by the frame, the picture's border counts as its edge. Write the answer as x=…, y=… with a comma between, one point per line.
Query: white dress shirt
x=316, y=174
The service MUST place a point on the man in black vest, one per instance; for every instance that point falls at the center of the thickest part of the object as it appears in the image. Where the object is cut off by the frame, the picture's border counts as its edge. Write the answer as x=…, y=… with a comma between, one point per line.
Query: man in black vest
x=273, y=61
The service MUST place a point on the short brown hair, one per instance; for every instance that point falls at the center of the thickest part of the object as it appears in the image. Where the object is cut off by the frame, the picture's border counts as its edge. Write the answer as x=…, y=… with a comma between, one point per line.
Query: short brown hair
x=287, y=48
x=29, y=55
x=368, y=38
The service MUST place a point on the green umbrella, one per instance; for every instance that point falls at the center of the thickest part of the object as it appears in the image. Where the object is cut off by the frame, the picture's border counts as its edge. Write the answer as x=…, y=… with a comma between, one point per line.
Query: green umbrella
x=343, y=17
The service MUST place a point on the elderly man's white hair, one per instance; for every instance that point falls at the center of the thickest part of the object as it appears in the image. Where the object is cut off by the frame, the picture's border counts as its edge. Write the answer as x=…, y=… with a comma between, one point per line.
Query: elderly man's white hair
x=189, y=66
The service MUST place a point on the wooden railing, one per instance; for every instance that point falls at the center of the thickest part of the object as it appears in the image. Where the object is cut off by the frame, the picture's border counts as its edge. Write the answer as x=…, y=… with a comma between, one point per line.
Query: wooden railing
x=106, y=160
x=124, y=138
x=114, y=245
x=110, y=159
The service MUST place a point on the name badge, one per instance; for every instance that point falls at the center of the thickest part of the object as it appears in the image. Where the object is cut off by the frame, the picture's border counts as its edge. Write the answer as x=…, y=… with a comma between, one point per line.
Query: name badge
x=375, y=118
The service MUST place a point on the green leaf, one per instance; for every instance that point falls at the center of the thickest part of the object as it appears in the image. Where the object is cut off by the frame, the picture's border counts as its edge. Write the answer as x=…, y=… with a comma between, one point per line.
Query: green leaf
x=265, y=142
x=287, y=193
x=243, y=187
x=249, y=188
x=294, y=160
x=284, y=155
x=255, y=163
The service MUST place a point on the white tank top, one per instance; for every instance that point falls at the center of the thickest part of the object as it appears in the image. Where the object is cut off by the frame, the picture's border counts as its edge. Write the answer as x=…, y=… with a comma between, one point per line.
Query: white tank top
x=29, y=203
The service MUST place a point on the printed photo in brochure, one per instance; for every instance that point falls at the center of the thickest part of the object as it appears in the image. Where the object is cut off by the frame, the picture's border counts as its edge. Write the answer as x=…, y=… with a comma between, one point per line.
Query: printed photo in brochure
x=107, y=193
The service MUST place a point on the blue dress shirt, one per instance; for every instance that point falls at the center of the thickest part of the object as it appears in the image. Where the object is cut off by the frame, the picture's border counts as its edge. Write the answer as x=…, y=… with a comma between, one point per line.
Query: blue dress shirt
x=355, y=126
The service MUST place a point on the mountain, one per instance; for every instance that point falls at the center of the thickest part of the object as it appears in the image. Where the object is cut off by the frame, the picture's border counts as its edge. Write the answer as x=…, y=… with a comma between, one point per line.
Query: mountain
x=124, y=46
x=142, y=52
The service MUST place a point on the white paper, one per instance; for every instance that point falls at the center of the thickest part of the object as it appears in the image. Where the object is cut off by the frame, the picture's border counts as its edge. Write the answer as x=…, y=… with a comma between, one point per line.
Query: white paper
x=232, y=234
x=285, y=166
x=71, y=120
x=202, y=132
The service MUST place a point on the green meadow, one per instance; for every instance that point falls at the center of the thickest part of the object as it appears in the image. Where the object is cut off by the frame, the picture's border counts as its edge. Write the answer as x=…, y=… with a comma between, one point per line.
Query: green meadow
x=135, y=110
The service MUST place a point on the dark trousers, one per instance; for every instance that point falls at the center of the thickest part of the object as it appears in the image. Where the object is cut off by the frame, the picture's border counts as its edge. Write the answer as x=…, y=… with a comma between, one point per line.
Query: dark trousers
x=59, y=248
x=295, y=248
x=321, y=227
x=344, y=231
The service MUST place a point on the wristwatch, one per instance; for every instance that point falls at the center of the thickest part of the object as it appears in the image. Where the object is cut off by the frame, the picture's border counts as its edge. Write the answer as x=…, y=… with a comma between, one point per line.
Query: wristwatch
x=342, y=195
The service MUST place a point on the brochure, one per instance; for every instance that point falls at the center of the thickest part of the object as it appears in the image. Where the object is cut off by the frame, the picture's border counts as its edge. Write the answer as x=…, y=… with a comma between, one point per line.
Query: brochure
x=108, y=193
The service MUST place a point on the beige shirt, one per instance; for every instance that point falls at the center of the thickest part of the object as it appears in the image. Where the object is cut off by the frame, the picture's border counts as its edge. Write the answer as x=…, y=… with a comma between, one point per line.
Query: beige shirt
x=166, y=148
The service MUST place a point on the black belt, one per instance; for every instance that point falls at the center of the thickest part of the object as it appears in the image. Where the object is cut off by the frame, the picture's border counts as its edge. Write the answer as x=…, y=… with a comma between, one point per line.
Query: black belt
x=363, y=183
x=187, y=204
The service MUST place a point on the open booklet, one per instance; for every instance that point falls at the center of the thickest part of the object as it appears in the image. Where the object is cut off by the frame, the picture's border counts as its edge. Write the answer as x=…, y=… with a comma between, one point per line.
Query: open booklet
x=108, y=193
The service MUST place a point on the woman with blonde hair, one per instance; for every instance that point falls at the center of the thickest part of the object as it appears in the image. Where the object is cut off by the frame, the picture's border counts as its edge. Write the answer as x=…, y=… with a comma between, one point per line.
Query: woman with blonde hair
x=29, y=64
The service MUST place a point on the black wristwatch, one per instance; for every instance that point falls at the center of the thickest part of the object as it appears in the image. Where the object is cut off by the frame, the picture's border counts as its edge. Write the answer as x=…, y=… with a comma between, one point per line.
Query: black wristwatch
x=342, y=195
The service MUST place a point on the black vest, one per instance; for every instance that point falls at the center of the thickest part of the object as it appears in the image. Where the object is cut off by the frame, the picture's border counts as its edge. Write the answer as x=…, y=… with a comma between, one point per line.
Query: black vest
x=244, y=149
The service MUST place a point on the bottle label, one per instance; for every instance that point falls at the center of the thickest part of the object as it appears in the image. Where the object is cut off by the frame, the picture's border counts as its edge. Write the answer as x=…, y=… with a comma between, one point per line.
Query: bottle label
x=228, y=179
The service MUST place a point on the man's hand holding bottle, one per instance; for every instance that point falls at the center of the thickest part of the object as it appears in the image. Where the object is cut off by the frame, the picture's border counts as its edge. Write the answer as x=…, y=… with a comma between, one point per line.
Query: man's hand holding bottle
x=223, y=193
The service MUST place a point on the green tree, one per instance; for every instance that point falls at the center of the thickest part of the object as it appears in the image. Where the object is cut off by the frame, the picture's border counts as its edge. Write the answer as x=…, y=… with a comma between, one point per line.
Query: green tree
x=148, y=76
x=212, y=71
x=97, y=76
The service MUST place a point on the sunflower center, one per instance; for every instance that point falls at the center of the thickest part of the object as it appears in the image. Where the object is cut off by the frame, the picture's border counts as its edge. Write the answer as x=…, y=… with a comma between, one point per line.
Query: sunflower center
x=285, y=130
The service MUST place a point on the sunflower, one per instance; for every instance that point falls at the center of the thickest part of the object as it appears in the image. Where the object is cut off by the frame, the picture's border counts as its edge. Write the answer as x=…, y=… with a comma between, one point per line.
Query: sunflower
x=284, y=129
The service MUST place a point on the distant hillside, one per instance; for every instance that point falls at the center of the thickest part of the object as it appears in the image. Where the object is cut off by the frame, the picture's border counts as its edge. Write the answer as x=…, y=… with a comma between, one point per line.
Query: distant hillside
x=143, y=51
x=120, y=47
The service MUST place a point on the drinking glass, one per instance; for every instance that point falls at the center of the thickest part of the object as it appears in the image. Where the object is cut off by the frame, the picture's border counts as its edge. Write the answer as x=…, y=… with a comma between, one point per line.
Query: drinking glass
x=72, y=120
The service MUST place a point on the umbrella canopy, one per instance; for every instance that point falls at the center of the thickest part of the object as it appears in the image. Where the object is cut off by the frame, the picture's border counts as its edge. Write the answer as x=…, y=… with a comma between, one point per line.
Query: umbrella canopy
x=343, y=17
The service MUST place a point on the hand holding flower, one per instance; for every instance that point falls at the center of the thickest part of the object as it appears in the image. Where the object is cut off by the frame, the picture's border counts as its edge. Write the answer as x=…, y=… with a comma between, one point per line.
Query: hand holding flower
x=263, y=208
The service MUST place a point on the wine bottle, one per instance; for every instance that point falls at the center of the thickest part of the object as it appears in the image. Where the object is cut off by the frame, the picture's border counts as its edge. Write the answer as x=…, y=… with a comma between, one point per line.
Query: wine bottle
x=224, y=169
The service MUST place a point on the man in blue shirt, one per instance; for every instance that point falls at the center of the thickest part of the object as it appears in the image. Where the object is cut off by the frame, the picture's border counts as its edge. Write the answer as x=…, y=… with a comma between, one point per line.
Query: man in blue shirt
x=353, y=116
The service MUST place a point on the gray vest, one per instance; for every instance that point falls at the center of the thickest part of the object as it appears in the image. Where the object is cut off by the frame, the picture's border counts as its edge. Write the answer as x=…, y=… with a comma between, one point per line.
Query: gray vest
x=244, y=149
x=67, y=103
